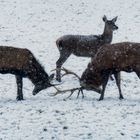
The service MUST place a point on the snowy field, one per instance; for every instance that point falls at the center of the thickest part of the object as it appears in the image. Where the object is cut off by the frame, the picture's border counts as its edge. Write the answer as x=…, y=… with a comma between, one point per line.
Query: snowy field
x=36, y=24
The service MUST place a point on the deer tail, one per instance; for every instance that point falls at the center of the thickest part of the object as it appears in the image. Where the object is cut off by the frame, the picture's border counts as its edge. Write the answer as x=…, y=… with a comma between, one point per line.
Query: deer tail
x=59, y=44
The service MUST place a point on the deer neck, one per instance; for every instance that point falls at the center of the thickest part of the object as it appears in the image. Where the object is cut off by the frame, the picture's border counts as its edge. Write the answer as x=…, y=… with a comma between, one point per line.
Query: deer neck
x=38, y=76
x=107, y=35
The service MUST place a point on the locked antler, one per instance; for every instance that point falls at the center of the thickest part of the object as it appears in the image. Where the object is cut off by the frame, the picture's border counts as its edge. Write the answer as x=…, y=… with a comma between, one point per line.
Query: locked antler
x=80, y=90
x=67, y=72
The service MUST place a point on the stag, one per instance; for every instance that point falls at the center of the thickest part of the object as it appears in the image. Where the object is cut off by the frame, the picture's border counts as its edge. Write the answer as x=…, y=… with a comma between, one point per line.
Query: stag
x=82, y=45
x=111, y=59
x=23, y=64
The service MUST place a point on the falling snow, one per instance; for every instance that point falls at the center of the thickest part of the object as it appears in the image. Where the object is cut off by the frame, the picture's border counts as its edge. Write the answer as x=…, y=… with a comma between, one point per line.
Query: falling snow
x=36, y=25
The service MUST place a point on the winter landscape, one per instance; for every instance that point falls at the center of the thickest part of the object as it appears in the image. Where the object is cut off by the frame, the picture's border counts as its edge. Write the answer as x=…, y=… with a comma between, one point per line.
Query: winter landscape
x=36, y=25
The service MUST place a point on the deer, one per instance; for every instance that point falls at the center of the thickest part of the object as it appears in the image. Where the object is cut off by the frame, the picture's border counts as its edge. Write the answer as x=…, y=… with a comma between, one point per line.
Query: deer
x=83, y=45
x=23, y=64
x=111, y=59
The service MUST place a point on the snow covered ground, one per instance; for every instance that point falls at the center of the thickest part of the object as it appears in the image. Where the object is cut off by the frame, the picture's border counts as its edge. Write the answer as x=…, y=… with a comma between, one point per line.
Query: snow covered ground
x=36, y=24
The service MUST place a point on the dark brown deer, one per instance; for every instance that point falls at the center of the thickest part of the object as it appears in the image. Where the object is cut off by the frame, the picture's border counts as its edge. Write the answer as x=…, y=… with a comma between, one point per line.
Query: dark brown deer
x=111, y=59
x=22, y=63
x=81, y=45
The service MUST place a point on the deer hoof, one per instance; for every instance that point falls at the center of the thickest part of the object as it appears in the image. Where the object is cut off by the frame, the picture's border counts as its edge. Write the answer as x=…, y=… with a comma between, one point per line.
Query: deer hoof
x=19, y=98
x=100, y=99
x=121, y=98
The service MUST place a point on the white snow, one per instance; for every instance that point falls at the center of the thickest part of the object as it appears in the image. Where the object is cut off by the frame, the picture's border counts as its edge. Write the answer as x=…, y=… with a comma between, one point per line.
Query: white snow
x=36, y=24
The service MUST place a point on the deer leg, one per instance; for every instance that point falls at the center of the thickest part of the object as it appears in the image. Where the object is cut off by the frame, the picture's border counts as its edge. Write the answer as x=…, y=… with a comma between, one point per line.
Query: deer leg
x=118, y=82
x=63, y=57
x=19, y=87
x=105, y=80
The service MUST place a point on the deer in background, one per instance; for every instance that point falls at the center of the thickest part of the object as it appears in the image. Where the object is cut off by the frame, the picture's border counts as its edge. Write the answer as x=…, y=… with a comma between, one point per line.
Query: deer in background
x=82, y=45
x=111, y=59
x=23, y=64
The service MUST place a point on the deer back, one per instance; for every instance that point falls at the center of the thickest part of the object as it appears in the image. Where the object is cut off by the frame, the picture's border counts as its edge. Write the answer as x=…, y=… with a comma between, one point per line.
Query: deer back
x=13, y=58
x=118, y=56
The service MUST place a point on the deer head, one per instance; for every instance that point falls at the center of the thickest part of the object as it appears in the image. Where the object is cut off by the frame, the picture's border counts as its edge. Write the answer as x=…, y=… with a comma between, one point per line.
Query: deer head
x=90, y=79
x=43, y=84
x=110, y=24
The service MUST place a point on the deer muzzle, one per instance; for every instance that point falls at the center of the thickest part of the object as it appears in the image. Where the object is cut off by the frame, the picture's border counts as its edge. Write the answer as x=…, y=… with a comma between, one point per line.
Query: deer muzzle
x=115, y=27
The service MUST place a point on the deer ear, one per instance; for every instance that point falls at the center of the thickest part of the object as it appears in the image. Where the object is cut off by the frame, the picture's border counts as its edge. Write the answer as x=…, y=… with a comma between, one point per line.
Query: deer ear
x=114, y=19
x=104, y=18
x=51, y=77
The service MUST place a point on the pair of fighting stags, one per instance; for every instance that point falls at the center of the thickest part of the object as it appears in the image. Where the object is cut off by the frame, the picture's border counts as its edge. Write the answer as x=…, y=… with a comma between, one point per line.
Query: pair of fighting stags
x=107, y=59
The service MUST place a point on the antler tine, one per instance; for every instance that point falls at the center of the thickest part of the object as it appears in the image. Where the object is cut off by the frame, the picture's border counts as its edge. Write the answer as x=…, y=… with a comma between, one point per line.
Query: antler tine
x=64, y=69
x=53, y=69
x=80, y=90
x=69, y=72
x=82, y=93
x=67, y=90
x=70, y=94
x=57, y=91
x=66, y=72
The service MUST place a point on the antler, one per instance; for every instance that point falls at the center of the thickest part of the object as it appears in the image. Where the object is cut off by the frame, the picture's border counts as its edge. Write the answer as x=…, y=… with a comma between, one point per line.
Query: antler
x=67, y=72
x=80, y=89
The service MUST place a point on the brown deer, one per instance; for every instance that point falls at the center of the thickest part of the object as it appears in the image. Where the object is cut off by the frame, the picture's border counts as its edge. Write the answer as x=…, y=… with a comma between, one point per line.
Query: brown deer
x=22, y=63
x=111, y=59
x=82, y=45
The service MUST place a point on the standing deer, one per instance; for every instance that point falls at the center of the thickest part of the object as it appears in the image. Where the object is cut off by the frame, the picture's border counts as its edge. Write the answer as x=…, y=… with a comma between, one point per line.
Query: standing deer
x=23, y=64
x=81, y=45
x=111, y=59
